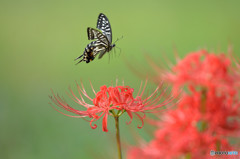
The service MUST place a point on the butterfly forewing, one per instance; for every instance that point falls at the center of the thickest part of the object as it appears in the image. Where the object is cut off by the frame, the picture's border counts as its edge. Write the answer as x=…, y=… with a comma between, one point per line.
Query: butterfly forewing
x=104, y=25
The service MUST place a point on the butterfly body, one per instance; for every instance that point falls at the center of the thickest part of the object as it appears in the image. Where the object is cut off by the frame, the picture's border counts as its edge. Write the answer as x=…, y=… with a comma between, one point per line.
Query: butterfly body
x=88, y=54
x=102, y=43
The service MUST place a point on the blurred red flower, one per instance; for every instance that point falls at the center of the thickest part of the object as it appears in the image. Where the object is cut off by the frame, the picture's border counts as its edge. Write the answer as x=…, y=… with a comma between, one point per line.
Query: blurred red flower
x=208, y=113
x=203, y=69
x=179, y=136
x=109, y=99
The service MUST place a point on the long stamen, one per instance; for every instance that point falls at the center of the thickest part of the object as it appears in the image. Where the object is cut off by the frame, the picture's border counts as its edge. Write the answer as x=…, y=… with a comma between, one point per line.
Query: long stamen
x=144, y=88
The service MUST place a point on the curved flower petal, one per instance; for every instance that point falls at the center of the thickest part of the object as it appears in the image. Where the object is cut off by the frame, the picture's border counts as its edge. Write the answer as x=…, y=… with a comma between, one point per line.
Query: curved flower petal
x=104, y=122
x=93, y=126
x=131, y=117
x=141, y=118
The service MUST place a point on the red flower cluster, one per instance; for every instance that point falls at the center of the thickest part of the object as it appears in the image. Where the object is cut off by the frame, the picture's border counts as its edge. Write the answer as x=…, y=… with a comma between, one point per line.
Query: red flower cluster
x=178, y=136
x=203, y=69
x=109, y=99
x=208, y=112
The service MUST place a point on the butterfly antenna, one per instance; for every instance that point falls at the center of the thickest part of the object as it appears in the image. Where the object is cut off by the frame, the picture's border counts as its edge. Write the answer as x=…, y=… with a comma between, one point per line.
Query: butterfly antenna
x=118, y=39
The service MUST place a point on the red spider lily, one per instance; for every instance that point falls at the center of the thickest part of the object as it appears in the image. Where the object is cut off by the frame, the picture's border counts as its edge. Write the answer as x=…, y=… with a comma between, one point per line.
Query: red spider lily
x=200, y=124
x=203, y=69
x=109, y=99
x=179, y=137
x=206, y=115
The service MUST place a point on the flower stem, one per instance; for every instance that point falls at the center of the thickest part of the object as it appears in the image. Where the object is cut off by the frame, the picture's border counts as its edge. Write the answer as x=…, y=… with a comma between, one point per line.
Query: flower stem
x=203, y=107
x=118, y=137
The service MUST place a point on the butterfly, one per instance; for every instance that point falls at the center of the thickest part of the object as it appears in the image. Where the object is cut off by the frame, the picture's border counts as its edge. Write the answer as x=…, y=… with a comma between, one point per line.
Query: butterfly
x=102, y=43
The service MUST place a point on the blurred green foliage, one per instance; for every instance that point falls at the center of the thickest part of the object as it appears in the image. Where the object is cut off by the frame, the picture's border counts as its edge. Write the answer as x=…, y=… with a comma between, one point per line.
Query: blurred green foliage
x=40, y=39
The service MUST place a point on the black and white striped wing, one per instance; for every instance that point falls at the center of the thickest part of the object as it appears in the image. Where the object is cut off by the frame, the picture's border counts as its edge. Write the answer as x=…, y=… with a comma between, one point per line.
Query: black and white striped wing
x=95, y=34
x=103, y=24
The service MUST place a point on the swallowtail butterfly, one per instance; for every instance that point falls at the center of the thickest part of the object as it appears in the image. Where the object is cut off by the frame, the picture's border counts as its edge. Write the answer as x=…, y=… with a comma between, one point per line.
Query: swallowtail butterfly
x=102, y=43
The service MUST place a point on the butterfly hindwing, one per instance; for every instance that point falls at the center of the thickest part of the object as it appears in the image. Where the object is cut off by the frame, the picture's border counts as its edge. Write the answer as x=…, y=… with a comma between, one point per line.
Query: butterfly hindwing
x=92, y=33
x=95, y=34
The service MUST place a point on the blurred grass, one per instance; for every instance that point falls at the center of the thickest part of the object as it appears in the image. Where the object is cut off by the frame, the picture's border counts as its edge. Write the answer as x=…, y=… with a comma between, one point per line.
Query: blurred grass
x=40, y=39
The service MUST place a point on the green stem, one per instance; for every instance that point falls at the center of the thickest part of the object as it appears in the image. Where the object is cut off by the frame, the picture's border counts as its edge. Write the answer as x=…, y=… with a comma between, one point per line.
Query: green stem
x=118, y=137
x=218, y=145
x=188, y=155
x=203, y=107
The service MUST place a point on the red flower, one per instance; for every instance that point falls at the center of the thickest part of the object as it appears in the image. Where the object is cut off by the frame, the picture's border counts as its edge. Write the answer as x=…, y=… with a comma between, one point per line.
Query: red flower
x=109, y=99
x=188, y=131
x=207, y=114
x=179, y=137
x=203, y=69
x=211, y=80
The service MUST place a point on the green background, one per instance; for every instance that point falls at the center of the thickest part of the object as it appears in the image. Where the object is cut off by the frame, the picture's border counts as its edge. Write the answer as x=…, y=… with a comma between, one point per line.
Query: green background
x=40, y=39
